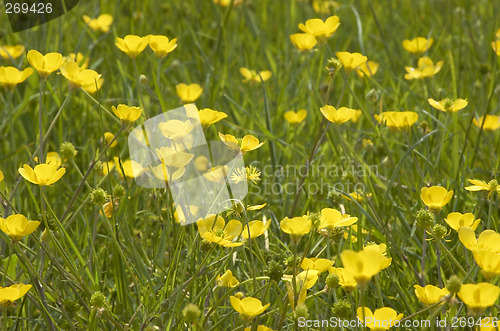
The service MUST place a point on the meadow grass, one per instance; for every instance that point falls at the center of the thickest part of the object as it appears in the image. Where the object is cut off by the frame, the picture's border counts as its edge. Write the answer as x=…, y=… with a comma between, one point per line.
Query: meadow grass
x=139, y=269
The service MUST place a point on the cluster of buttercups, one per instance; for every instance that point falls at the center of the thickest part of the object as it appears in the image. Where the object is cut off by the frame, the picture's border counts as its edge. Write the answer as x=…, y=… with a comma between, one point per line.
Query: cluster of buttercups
x=74, y=68
x=485, y=249
x=360, y=267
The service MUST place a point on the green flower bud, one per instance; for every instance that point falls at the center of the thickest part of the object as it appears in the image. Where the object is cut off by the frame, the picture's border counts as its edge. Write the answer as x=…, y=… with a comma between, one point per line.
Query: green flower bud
x=333, y=65
x=332, y=281
x=98, y=166
x=424, y=125
x=46, y=235
x=67, y=150
x=372, y=96
x=143, y=80
x=334, y=196
x=439, y=231
x=98, y=300
x=239, y=295
x=341, y=309
x=118, y=191
x=99, y=196
x=275, y=271
x=301, y=311
x=425, y=218
x=454, y=284
x=71, y=306
x=191, y=313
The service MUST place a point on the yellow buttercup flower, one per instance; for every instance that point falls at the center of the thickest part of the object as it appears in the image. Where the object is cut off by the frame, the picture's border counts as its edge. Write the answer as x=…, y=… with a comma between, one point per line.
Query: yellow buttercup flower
x=435, y=197
x=480, y=185
x=128, y=168
x=45, y=64
x=430, y=294
x=325, y=7
x=489, y=262
x=478, y=297
x=295, y=118
x=356, y=196
x=99, y=24
x=303, y=281
x=11, y=51
x=254, y=76
x=303, y=41
x=365, y=264
x=209, y=116
x=217, y=174
x=109, y=208
x=491, y=122
x=314, y=263
x=447, y=105
x=425, y=69
x=108, y=137
x=381, y=319
x=176, y=129
x=1, y=176
x=248, y=142
x=417, y=45
x=214, y=229
x=43, y=174
x=80, y=59
x=351, y=61
x=296, y=226
x=397, y=120
x=132, y=45
x=320, y=29
x=496, y=46
x=346, y=279
x=188, y=93
x=227, y=280
x=127, y=113
x=11, y=76
x=248, y=307
x=332, y=218
x=180, y=216
x=201, y=163
x=369, y=68
x=171, y=157
x=457, y=220
x=10, y=294
x=17, y=226
x=488, y=240
x=161, y=45
x=87, y=79
x=257, y=228
x=337, y=116
x=227, y=3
